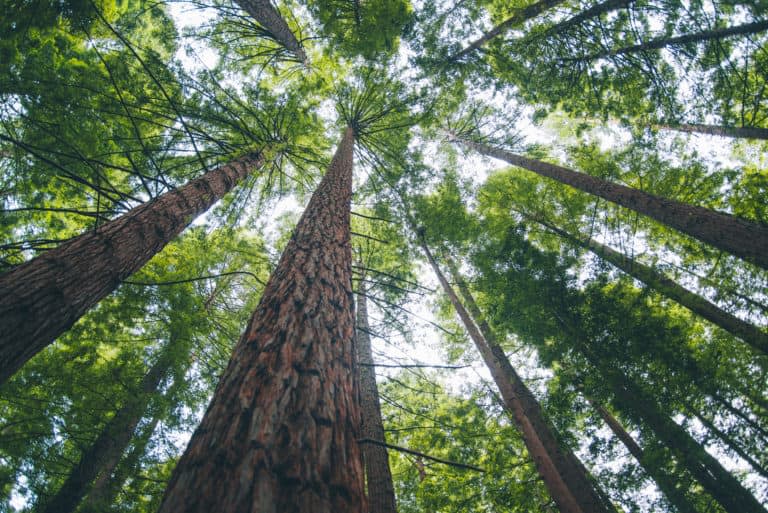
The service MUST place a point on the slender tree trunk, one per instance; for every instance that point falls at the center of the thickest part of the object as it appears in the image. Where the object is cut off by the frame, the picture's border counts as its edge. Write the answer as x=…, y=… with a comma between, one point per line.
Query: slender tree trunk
x=107, y=486
x=592, y=12
x=697, y=304
x=745, y=239
x=666, y=483
x=728, y=440
x=281, y=431
x=563, y=474
x=707, y=470
x=739, y=132
x=381, y=492
x=518, y=17
x=42, y=298
x=269, y=17
x=663, y=42
x=111, y=443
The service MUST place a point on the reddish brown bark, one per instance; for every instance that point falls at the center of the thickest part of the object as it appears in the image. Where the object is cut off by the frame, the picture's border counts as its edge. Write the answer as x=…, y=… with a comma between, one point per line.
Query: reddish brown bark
x=738, y=132
x=269, y=17
x=381, y=492
x=563, y=474
x=744, y=239
x=42, y=298
x=518, y=17
x=280, y=434
x=697, y=304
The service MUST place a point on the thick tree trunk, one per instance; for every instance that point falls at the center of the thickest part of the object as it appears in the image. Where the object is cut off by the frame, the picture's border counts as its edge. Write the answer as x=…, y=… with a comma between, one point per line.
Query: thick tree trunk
x=749, y=333
x=563, y=474
x=706, y=469
x=518, y=17
x=381, y=492
x=42, y=298
x=665, y=482
x=738, y=132
x=111, y=443
x=281, y=431
x=663, y=42
x=269, y=17
x=745, y=239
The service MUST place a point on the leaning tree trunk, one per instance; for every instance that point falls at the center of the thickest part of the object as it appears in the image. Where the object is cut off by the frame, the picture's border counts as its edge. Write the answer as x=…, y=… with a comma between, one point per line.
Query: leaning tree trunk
x=697, y=304
x=269, y=17
x=107, y=486
x=739, y=132
x=593, y=12
x=665, y=482
x=707, y=470
x=42, y=298
x=518, y=17
x=663, y=42
x=281, y=431
x=111, y=443
x=563, y=474
x=745, y=239
x=381, y=492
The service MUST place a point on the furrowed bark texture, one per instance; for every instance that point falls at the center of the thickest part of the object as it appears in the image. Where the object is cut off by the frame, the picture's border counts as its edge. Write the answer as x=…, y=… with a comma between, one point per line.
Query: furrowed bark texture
x=563, y=475
x=697, y=304
x=706, y=469
x=738, y=132
x=663, y=42
x=519, y=16
x=42, y=298
x=381, y=492
x=665, y=482
x=742, y=238
x=110, y=445
x=280, y=434
x=269, y=17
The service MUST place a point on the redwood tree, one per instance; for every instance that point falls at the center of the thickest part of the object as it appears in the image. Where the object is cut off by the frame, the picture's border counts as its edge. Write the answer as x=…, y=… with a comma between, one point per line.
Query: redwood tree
x=281, y=431
x=563, y=474
x=381, y=493
x=697, y=304
x=740, y=237
x=43, y=297
x=269, y=17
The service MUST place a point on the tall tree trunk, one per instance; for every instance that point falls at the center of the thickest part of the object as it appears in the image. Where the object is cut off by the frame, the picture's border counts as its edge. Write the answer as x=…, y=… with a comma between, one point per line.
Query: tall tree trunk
x=666, y=483
x=563, y=474
x=739, y=132
x=381, y=492
x=116, y=472
x=281, y=431
x=663, y=42
x=707, y=470
x=745, y=239
x=697, y=304
x=728, y=440
x=518, y=17
x=42, y=298
x=111, y=443
x=269, y=17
